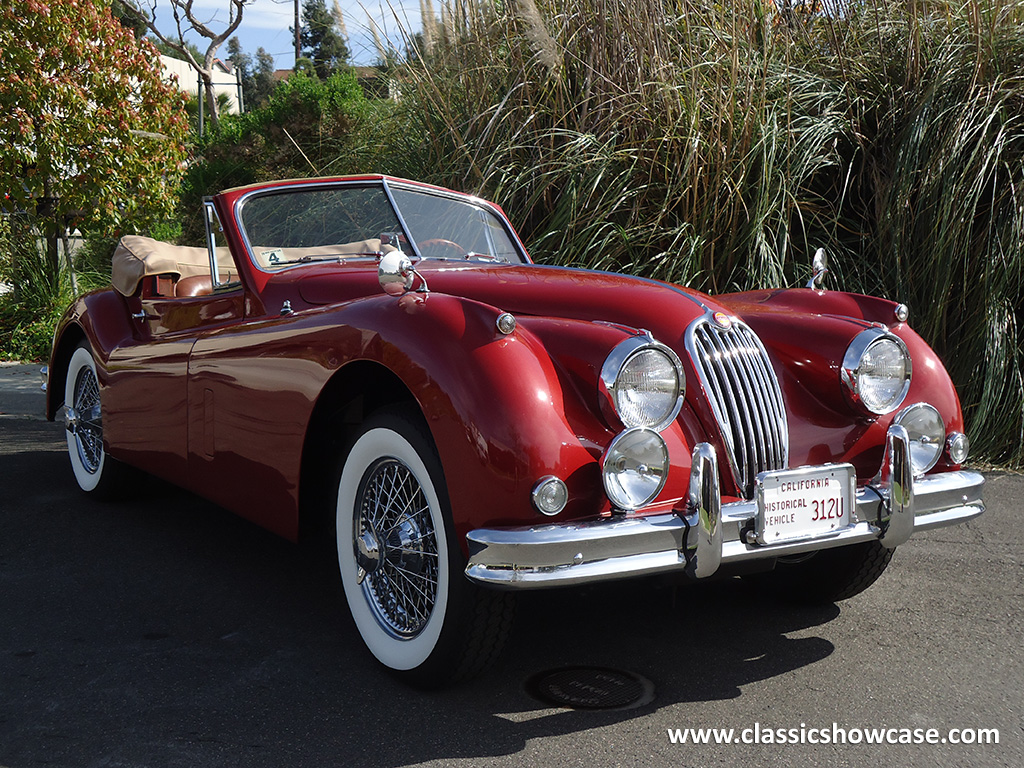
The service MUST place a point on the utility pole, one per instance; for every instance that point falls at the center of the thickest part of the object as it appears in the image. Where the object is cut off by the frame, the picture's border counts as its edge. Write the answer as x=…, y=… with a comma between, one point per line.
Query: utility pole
x=297, y=48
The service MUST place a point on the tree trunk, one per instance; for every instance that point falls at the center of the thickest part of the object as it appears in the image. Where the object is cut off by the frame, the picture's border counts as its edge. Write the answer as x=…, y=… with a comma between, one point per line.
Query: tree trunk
x=211, y=99
x=65, y=241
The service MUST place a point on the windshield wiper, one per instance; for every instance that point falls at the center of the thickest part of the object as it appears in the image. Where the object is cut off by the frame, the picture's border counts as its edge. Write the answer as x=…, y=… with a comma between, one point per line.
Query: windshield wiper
x=338, y=257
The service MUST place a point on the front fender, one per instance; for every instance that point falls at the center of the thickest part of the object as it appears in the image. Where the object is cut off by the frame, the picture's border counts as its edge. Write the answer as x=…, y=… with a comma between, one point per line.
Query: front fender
x=824, y=425
x=502, y=411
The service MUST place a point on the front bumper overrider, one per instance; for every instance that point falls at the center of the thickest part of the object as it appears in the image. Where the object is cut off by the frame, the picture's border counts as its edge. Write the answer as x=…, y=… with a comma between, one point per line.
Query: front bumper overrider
x=710, y=534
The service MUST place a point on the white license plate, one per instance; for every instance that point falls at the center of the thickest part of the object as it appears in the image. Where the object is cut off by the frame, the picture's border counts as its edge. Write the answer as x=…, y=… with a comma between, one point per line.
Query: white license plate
x=807, y=503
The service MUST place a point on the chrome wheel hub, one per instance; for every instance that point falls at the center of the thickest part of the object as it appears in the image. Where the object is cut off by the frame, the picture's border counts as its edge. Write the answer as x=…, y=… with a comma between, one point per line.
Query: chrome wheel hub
x=405, y=546
x=368, y=555
x=71, y=419
x=395, y=548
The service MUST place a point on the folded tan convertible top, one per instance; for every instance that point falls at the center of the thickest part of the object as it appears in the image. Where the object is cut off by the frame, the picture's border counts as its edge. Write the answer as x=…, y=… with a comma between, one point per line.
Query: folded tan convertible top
x=137, y=257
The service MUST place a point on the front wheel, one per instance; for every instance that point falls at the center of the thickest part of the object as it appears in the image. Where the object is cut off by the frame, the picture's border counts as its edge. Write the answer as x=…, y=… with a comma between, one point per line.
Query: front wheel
x=400, y=563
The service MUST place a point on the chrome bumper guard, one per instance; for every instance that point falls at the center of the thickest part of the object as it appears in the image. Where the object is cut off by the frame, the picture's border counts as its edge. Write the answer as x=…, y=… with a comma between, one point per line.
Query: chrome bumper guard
x=711, y=534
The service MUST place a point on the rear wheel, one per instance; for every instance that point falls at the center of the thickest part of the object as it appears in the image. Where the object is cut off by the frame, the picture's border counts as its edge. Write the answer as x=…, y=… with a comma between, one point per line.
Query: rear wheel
x=96, y=472
x=401, y=565
x=829, y=575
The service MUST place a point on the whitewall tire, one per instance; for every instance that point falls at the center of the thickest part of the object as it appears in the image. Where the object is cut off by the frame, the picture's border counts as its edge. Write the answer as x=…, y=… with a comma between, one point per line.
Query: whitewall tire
x=392, y=549
x=400, y=565
x=95, y=472
x=83, y=420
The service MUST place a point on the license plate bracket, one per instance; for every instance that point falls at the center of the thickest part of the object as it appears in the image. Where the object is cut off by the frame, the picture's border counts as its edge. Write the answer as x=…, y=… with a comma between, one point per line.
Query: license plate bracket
x=805, y=503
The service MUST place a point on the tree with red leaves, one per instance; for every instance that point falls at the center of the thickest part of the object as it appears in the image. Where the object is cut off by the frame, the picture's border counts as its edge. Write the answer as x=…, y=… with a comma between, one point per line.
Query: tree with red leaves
x=89, y=130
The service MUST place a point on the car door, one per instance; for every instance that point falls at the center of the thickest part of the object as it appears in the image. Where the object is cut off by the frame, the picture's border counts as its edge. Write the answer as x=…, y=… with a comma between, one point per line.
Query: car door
x=146, y=400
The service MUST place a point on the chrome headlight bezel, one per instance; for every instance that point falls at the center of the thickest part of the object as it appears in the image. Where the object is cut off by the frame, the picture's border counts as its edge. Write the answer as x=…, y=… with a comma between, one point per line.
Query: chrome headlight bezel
x=853, y=369
x=613, y=387
x=926, y=446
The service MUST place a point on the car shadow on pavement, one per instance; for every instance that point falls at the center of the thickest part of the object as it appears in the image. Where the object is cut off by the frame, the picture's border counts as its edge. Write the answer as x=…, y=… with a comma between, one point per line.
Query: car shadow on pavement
x=165, y=631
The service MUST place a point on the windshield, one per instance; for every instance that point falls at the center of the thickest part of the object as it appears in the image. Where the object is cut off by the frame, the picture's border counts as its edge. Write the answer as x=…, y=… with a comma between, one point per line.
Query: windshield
x=445, y=227
x=299, y=225
x=312, y=224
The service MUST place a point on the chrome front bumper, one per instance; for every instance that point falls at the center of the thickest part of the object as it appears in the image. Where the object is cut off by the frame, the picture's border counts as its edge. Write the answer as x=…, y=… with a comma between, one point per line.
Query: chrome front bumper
x=711, y=534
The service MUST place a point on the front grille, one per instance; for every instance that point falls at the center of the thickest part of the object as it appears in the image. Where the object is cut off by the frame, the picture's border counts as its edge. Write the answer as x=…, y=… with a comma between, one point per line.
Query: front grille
x=745, y=396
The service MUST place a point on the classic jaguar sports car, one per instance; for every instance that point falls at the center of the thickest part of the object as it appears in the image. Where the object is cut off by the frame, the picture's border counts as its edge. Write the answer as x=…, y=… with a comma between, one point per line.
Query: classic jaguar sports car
x=379, y=362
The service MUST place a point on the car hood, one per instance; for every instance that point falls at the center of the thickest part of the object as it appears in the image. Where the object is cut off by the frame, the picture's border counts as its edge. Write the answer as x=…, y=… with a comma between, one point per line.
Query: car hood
x=661, y=308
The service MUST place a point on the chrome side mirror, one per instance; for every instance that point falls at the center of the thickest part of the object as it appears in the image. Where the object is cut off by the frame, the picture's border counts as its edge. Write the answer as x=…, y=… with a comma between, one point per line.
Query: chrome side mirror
x=819, y=267
x=396, y=274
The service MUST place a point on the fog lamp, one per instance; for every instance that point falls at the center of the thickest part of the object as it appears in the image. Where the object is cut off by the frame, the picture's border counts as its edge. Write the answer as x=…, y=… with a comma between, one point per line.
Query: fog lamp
x=957, y=446
x=927, y=433
x=634, y=468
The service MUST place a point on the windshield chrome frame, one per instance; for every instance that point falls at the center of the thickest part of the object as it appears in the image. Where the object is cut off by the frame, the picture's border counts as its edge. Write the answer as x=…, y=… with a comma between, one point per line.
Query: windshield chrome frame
x=386, y=183
x=210, y=216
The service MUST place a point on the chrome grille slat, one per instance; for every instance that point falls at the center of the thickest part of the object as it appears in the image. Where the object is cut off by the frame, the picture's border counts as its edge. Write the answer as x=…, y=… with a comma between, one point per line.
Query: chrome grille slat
x=754, y=415
x=769, y=383
x=767, y=417
x=747, y=454
x=719, y=401
x=745, y=398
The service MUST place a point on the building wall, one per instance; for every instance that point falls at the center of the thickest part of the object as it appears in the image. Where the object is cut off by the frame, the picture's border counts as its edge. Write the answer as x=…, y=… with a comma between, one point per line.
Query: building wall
x=226, y=83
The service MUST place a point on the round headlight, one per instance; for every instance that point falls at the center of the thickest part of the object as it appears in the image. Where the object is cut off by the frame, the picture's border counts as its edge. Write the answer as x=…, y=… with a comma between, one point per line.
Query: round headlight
x=927, y=434
x=877, y=370
x=644, y=382
x=634, y=468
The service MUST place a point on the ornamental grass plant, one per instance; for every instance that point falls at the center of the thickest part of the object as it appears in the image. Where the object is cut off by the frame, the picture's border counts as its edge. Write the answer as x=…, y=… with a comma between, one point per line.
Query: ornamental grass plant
x=718, y=145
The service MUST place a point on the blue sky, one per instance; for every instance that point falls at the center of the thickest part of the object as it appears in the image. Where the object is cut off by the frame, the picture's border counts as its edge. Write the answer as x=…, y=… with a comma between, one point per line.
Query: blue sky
x=265, y=24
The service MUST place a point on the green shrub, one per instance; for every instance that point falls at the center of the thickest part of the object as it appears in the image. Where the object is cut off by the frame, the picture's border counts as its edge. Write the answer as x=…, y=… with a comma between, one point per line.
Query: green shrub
x=39, y=295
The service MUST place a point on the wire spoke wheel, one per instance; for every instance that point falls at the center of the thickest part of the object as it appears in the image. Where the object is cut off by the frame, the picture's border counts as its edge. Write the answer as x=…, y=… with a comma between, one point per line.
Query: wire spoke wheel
x=97, y=473
x=401, y=581
x=400, y=564
x=87, y=420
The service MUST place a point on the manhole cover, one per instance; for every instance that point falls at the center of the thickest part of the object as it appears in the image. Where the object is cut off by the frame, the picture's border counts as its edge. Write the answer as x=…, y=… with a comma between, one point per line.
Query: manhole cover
x=591, y=688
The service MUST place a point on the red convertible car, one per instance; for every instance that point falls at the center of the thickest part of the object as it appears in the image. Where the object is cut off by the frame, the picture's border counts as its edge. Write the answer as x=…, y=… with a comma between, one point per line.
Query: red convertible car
x=380, y=362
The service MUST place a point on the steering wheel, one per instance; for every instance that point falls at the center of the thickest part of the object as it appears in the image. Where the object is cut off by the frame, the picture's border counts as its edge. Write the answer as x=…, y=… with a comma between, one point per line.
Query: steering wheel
x=451, y=245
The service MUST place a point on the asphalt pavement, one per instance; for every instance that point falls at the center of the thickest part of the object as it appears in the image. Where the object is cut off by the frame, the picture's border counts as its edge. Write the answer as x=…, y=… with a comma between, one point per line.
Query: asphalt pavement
x=162, y=631
x=20, y=393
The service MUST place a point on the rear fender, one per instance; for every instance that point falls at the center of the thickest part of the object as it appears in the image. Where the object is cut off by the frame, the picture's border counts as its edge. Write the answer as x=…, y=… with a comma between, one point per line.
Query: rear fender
x=101, y=318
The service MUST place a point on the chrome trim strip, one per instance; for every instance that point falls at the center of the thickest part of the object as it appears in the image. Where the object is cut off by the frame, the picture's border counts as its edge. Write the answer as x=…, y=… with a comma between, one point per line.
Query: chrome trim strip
x=621, y=547
x=401, y=220
x=658, y=283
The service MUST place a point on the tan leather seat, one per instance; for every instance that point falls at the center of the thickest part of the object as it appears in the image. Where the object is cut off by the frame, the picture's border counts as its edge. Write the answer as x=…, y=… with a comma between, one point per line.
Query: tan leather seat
x=197, y=285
